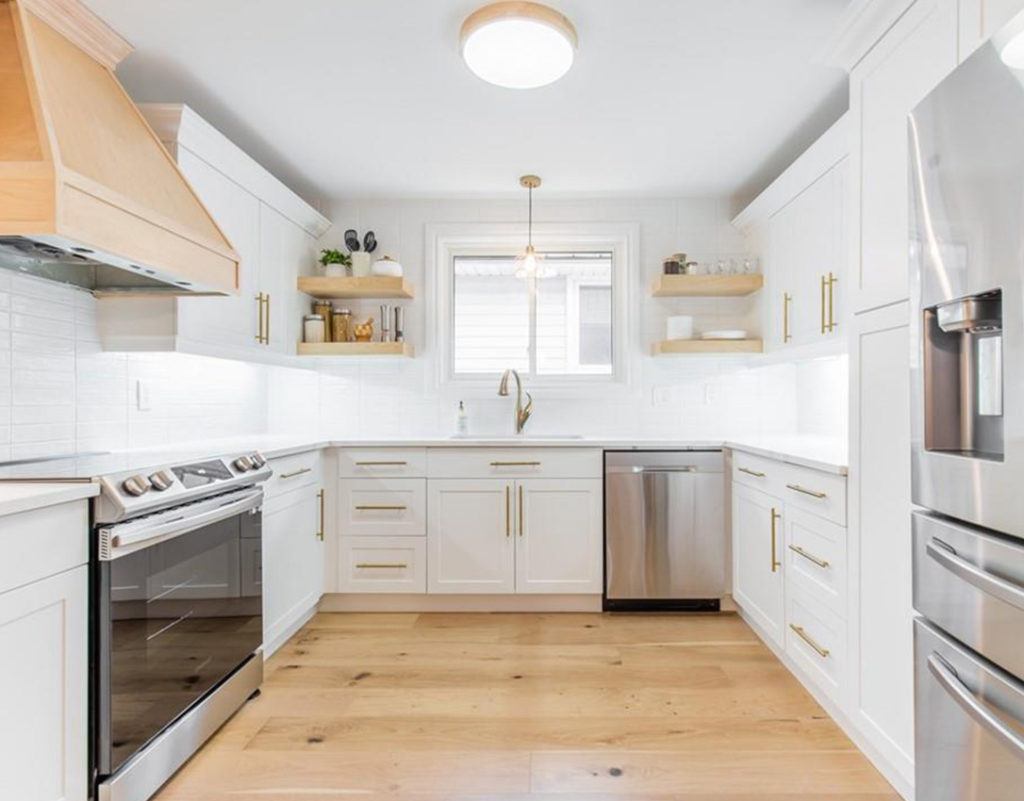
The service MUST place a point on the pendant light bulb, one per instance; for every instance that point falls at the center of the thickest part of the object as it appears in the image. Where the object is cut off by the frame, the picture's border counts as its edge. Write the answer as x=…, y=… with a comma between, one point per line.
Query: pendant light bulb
x=529, y=265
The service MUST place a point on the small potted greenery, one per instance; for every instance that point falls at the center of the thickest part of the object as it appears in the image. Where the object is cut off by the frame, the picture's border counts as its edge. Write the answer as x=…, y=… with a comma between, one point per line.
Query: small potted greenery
x=334, y=262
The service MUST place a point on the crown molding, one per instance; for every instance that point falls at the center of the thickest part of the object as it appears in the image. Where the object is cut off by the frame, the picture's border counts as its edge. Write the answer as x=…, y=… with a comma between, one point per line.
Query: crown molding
x=75, y=22
x=863, y=23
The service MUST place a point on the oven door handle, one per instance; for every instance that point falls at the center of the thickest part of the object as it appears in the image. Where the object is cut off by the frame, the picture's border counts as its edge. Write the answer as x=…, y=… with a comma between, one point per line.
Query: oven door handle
x=123, y=539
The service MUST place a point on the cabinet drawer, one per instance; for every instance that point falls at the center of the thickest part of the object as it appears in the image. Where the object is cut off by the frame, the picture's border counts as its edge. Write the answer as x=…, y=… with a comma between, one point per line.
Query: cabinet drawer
x=292, y=472
x=382, y=564
x=756, y=472
x=514, y=463
x=816, y=558
x=382, y=506
x=822, y=494
x=43, y=542
x=816, y=642
x=383, y=462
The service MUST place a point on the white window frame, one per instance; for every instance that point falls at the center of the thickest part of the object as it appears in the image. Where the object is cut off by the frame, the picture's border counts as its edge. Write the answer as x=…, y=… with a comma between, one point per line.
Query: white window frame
x=445, y=242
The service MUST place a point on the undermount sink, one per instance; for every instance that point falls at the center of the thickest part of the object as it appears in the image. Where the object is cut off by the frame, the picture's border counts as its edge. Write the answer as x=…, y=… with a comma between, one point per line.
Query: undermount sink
x=515, y=437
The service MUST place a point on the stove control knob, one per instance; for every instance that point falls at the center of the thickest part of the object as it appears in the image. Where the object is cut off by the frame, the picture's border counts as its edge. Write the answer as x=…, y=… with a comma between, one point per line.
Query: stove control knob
x=136, y=485
x=161, y=480
x=257, y=459
x=243, y=464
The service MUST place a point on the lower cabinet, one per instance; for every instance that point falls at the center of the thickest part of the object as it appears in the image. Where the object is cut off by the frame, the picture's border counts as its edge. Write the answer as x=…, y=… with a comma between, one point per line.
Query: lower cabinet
x=292, y=571
x=757, y=532
x=43, y=688
x=383, y=564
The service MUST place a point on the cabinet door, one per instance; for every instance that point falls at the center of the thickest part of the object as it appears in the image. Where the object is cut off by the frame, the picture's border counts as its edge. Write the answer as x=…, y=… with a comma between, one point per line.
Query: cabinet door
x=227, y=320
x=915, y=54
x=293, y=566
x=757, y=558
x=979, y=19
x=559, y=529
x=781, y=272
x=471, y=548
x=286, y=250
x=822, y=255
x=43, y=689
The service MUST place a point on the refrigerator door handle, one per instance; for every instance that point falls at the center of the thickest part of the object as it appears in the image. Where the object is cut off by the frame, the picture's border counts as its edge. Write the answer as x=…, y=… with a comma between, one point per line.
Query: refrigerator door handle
x=993, y=585
x=949, y=681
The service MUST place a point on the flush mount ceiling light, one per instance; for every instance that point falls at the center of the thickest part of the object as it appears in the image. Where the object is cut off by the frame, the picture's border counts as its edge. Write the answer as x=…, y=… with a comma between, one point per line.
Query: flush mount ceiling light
x=518, y=45
x=1009, y=41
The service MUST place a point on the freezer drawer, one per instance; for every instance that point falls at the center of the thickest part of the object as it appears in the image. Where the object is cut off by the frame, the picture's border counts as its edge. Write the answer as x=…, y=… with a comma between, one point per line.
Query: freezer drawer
x=971, y=584
x=969, y=723
x=664, y=530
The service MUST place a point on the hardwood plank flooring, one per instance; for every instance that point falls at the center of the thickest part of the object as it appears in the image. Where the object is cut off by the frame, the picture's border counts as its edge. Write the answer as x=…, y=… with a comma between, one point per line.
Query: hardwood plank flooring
x=528, y=707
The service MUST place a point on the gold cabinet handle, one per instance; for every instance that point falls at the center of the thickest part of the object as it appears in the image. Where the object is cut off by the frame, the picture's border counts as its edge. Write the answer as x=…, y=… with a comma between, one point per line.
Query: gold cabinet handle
x=808, y=556
x=749, y=472
x=805, y=491
x=381, y=508
x=824, y=323
x=786, y=300
x=508, y=511
x=299, y=472
x=261, y=321
x=521, y=524
x=381, y=464
x=803, y=635
x=776, y=564
x=380, y=565
x=320, y=531
x=266, y=335
x=832, y=324
x=515, y=464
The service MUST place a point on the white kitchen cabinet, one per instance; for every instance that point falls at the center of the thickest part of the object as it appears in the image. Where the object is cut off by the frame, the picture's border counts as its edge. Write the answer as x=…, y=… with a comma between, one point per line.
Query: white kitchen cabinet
x=286, y=252
x=559, y=531
x=907, y=63
x=381, y=564
x=470, y=536
x=757, y=543
x=44, y=688
x=979, y=19
x=392, y=507
x=292, y=567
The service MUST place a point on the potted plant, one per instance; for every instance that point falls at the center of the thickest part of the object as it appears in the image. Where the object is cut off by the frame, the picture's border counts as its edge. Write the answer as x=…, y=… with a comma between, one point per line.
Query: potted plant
x=334, y=262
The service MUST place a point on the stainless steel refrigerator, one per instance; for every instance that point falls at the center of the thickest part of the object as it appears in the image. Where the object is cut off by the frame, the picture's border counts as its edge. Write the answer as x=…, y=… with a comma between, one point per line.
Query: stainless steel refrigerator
x=967, y=452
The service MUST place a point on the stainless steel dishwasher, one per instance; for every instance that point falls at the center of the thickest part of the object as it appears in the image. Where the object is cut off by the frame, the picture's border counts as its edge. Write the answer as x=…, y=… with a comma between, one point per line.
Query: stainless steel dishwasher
x=664, y=530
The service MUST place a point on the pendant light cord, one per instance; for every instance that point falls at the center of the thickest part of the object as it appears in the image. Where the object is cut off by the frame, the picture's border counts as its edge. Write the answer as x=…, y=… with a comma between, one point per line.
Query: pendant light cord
x=529, y=229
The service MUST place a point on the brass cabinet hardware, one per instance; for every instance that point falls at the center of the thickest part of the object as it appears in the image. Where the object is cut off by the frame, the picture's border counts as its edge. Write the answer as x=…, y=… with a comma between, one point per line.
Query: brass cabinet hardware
x=508, y=510
x=381, y=464
x=266, y=331
x=381, y=508
x=520, y=510
x=749, y=472
x=824, y=323
x=832, y=324
x=808, y=556
x=776, y=564
x=786, y=300
x=803, y=635
x=515, y=464
x=262, y=321
x=380, y=565
x=301, y=471
x=805, y=491
x=320, y=531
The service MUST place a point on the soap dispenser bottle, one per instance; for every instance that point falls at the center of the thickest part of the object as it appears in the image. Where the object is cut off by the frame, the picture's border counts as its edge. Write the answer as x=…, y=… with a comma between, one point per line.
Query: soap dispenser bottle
x=462, y=421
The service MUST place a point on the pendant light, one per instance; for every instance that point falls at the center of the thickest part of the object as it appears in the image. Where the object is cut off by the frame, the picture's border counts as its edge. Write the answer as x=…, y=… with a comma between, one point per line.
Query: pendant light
x=529, y=265
x=518, y=45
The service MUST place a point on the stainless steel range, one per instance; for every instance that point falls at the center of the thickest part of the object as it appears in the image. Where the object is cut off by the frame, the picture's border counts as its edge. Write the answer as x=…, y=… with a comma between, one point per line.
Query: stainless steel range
x=967, y=273
x=176, y=605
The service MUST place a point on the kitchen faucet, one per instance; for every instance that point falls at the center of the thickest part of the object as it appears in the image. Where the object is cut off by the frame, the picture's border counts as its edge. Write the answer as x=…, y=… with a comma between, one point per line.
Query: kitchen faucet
x=522, y=413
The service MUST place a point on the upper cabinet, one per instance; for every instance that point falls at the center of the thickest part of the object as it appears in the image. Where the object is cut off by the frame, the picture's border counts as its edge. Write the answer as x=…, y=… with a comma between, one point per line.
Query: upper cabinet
x=274, y=232
x=800, y=225
x=979, y=19
x=885, y=85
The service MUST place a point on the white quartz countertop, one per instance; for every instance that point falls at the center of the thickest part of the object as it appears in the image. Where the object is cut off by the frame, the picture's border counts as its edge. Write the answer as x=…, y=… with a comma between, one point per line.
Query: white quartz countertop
x=23, y=496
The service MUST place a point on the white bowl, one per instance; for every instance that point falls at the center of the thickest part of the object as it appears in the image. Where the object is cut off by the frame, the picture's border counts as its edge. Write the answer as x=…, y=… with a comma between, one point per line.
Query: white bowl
x=387, y=266
x=732, y=333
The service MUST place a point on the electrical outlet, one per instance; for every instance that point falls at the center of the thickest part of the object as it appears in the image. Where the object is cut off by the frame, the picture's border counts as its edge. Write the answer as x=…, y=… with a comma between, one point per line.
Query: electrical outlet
x=710, y=393
x=141, y=396
x=661, y=396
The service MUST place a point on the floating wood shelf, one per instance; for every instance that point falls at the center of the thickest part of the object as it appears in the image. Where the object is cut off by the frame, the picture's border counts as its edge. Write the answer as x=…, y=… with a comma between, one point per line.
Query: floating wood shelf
x=356, y=349
x=706, y=286
x=675, y=347
x=370, y=286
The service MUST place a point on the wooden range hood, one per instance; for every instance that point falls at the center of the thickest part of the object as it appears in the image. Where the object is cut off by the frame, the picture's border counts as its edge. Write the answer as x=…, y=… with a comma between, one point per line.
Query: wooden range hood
x=88, y=195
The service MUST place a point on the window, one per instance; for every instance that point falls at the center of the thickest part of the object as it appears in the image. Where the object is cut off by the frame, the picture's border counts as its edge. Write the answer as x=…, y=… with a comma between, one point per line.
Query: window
x=560, y=326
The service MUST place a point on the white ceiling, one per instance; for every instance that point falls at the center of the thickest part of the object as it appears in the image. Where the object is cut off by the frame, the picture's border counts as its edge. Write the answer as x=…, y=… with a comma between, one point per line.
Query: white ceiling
x=358, y=98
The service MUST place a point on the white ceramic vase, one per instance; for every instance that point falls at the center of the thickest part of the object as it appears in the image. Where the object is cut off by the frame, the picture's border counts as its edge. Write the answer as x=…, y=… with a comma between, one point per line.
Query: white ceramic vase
x=361, y=263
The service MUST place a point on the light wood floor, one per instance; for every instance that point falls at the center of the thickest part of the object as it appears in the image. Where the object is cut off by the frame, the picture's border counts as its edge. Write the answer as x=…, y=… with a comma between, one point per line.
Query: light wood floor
x=510, y=707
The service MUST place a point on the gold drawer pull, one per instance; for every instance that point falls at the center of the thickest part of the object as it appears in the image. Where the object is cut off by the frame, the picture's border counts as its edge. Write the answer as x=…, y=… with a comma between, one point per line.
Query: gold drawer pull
x=803, y=635
x=508, y=510
x=805, y=491
x=776, y=564
x=381, y=508
x=515, y=464
x=808, y=556
x=294, y=473
x=380, y=565
x=749, y=472
x=381, y=464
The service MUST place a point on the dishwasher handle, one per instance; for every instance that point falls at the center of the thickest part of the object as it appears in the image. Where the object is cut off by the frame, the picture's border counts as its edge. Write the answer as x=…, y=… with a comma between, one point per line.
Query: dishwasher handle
x=638, y=470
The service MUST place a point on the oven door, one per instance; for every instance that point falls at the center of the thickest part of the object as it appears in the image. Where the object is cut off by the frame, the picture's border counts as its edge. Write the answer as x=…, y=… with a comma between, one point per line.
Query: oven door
x=179, y=608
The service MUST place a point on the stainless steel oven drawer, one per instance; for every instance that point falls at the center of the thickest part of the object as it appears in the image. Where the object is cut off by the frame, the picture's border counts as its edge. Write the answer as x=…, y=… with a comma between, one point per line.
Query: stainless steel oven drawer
x=971, y=584
x=969, y=723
